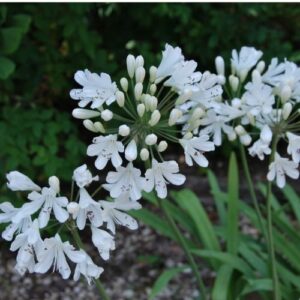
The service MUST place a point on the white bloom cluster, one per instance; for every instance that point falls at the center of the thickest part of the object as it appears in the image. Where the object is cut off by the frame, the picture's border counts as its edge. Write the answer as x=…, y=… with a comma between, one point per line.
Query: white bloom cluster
x=47, y=207
x=139, y=119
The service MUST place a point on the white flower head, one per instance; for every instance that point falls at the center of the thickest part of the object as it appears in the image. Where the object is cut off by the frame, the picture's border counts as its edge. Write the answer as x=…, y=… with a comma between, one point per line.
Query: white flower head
x=294, y=146
x=113, y=212
x=246, y=59
x=260, y=149
x=280, y=168
x=20, y=182
x=194, y=149
x=97, y=89
x=161, y=174
x=106, y=148
x=170, y=58
x=103, y=241
x=54, y=252
x=125, y=180
x=83, y=177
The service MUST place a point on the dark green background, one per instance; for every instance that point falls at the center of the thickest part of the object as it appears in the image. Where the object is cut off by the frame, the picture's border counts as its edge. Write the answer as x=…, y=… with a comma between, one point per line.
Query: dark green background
x=38, y=135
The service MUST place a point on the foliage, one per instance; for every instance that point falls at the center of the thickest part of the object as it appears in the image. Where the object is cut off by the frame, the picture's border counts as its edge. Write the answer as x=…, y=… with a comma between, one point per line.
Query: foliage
x=241, y=265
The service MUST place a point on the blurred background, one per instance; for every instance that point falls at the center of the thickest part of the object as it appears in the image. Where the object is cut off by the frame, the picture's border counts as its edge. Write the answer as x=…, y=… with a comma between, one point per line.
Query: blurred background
x=43, y=45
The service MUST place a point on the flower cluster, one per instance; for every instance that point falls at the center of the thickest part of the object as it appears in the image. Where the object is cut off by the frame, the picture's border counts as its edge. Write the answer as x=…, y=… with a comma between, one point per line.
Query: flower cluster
x=138, y=120
x=47, y=209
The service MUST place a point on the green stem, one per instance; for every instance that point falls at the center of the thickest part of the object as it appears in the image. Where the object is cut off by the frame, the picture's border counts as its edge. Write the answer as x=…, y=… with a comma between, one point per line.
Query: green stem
x=79, y=243
x=276, y=287
x=252, y=190
x=185, y=248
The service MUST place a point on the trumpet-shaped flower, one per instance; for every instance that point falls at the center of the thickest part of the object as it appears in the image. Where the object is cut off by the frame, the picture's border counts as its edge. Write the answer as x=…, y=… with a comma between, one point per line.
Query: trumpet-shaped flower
x=97, y=89
x=294, y=146
x=20, y=182
x=106, y=148
x=83, y=176
x=161, y=174
x=103, y=241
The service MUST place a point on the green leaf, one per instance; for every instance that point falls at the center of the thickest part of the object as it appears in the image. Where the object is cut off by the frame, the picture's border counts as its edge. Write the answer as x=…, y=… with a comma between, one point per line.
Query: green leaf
x=7, y=67
x=163, y=280
x=188, y=201
x=233, y=206
x=222, y=283
x=3, y=13
x=231, y=260
x=10, y=39
x=22, y=21
x=293, y=199
x=264, y=284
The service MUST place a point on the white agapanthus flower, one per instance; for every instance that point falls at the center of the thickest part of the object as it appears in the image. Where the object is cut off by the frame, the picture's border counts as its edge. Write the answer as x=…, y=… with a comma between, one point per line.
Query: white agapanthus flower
x=245, y=60
x=161, y=174
x=103, y=241
x=280, y=168
x=106, y=148
x=20, y=182
x=195, y=147
x=260, y=149
x=83, y=177
x=293, y=146
x=54, y=253
x=96, y=89
x=113, y=212
x=125, y=180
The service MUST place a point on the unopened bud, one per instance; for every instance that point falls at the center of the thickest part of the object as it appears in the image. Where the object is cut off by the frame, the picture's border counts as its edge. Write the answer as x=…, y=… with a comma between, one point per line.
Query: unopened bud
x=151, y=139
x=148, y=101
x=220, y=65
x=106, y=115
x=186, y=95
x=138, y=90
x=139, y=61
x=152, y=72
x=124, y=84
x=124, y=130
x=256, y=77
x=153, y=89
x=221, y=79
x=120, y=98
x=260, y=66
x=153, y=103
x=73, y=208
x=130, y=61
x=144, y=154
x=54, y=183
x=234, y=82
x=131, y=151
x=141, y=109
x=243, y=74
x=81, y=113
x=175, y=115
x=155, y=117
x=140, y=74
x=162, y=146
x=286, y=110
x=266, y=134
x=89, y=125
x=236, y=103
x=198, y=113
x=285, y=93
x=99, y=127
x=246, y=139
x=231, y=136
x=240, y=130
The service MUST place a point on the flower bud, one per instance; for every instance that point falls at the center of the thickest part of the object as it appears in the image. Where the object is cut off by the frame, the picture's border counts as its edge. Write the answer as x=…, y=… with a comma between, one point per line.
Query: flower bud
x=240, y=130
x=99, y=127
x=221, y=79
x=243, y=74
x=234, y=82
x=141, y=109
x=140, y=74
x=124, y=130
x=153, y=103
x=124, y=84
x=139, y=61
x=286, y=111
x=152, y=72
x=188, y=136
x=162, y=146
x=246, y=139
x=148, y=101
x=198, y=113
x=175, y=115
x=138, y=90
x=186, y=95
x=220, y=65
x=73, y=208
x=231, y=136
x=266, y=134
x=54, y=183
x=153, y=89
x=260, y=66
x=120, y=98
x=155, y=117
x=131, y=151
x=285, y=93
x=130, y=61
x=151, y=139
x=144, y=154
x=236, y=103
x=89, y=125
x=106, y=115
x=256, y=77
x=81, y=113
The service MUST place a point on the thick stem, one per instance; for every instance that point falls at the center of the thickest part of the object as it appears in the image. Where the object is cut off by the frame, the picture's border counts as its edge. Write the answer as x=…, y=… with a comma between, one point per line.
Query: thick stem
x=276, y=287
x=79, y=243
x=184, y=246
